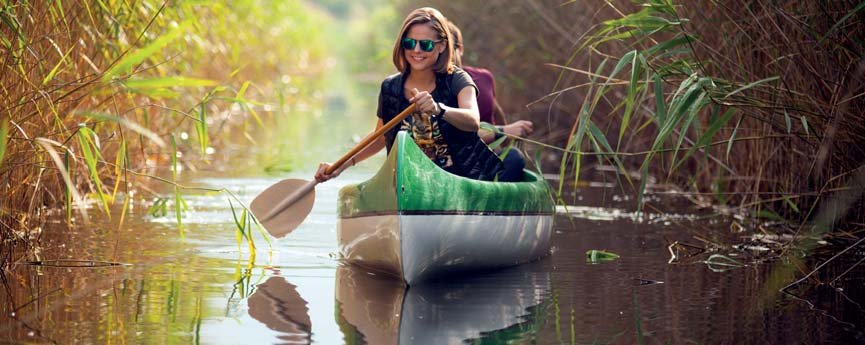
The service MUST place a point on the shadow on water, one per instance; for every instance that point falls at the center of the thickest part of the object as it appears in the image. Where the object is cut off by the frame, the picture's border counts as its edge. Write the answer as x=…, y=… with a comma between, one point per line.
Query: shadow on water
x=495, y=306
x=371, y=308
x=277, y=304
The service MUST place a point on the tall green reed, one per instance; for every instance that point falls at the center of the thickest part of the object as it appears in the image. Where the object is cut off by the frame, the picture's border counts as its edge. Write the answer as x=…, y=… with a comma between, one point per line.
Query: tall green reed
x=680, y=94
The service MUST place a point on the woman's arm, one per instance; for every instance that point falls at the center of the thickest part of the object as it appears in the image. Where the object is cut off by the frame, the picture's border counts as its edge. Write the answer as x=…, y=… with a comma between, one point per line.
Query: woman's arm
x=465, y=117
x=374, y=147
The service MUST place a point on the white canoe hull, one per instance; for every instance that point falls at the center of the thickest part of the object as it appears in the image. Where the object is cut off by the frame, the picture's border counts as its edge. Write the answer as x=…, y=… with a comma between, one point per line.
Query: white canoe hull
x=420, y=247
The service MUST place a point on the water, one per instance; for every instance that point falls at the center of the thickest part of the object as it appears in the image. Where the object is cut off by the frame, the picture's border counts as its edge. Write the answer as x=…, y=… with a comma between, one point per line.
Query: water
x=206, y=290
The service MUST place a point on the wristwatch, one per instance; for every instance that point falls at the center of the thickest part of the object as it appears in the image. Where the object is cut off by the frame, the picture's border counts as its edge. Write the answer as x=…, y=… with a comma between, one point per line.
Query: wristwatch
x=441, y=110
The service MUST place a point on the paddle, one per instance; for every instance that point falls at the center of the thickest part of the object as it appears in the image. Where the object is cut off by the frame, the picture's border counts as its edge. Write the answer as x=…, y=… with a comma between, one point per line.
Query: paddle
x=282, y=207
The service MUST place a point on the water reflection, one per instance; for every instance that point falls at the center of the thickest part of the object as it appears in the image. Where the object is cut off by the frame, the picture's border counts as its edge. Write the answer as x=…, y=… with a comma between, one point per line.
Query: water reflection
x=277, y=304
x=506, y=304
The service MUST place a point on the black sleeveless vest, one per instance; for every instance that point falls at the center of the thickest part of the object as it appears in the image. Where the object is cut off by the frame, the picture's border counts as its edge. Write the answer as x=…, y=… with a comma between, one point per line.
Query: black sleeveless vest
x=469, y=155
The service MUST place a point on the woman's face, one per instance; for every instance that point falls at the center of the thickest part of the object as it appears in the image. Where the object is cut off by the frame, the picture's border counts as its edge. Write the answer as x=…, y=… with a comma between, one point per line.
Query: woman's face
x=418, y=59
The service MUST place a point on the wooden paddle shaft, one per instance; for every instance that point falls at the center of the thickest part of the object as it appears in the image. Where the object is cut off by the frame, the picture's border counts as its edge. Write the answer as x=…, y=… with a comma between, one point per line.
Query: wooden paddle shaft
x=372, y=137
x=309, y=186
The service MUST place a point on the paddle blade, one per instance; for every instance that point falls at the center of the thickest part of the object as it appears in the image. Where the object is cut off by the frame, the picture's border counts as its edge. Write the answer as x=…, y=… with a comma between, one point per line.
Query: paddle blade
x=286, y=220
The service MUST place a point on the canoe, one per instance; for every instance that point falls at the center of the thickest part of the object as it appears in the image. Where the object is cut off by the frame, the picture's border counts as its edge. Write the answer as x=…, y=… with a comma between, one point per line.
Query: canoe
x=416, y=221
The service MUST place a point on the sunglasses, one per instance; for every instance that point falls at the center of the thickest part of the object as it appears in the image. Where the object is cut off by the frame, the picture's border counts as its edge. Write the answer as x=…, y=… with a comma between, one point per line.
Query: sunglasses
x=425, y=45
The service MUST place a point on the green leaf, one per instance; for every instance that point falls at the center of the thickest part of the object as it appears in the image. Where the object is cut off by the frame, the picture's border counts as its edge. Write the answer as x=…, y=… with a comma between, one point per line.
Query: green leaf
x=595, y=256
x=201, y=130
x=710, y=133
x=242, y=90
x=733, y=137
x=677, y=112
x=239, y=227
x=66, y=191
x=12, y=23
x=644, y=175
x=626, y=59
x=179, y=203
x=805, y=124
x=751, y=85
x=4, y=130
x=131, y=60
x=637, y=65
x=660, y=105
x=598, y=137
x=155, y=83
x=260, y=230
x=668, y=44
x=126, y=123
x=790, y=203
x=56, y=68
x=87, y=139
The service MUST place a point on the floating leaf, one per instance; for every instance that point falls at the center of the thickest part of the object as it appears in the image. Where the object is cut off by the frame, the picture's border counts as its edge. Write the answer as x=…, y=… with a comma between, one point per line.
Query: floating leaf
x=721, y=263
x=595, y=256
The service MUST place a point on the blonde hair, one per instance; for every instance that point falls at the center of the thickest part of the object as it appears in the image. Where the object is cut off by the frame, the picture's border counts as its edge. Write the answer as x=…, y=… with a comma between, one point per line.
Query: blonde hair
x=457, y=37
x=425, y=15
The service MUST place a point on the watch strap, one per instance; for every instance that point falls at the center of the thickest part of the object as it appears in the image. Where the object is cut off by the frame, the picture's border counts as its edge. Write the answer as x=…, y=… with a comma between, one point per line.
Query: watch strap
x=441, y=110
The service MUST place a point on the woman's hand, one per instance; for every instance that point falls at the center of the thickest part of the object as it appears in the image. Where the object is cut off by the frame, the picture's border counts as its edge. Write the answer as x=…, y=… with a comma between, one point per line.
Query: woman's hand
x=322, y=176
x=520, y=128
x=425, y=102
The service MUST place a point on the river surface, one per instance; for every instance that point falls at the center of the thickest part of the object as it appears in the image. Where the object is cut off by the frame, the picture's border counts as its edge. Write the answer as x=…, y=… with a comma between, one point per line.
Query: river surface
x=208, y=290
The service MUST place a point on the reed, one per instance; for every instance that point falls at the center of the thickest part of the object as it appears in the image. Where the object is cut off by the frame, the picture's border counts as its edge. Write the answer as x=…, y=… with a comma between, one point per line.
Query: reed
x=753, y=106
x=98, y=97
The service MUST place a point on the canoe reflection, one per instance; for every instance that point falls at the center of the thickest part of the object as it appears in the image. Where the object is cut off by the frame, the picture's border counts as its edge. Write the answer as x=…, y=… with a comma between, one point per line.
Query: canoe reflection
x=277, y=304
x=376, y=309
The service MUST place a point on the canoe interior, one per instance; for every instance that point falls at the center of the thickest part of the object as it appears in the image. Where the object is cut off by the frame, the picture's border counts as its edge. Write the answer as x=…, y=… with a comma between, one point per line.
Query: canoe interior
x=410, y=183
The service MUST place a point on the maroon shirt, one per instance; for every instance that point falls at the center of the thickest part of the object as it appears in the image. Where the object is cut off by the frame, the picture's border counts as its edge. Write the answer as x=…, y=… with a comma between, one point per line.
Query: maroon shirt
x=486, y=92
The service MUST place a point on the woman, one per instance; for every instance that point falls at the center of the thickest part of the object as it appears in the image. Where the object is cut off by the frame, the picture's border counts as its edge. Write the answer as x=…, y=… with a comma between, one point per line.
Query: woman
x=446, y=121
x=491, y=112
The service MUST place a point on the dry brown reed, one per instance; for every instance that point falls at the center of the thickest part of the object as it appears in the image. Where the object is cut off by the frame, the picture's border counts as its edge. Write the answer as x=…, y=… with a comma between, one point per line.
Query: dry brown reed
x=94, y=94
